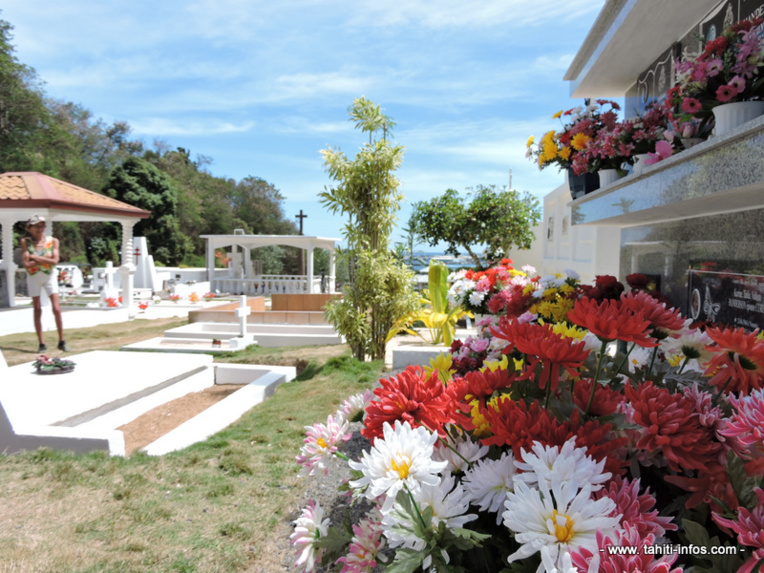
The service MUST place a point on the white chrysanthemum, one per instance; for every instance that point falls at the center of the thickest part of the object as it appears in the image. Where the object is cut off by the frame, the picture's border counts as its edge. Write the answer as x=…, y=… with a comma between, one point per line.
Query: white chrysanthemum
x=528, y=269
x=556, y=522
x=639, y=357
x=488, y=483
x=466, y=453
x=572, y=274
x=402, y=458
x=476, y=297
x=309, y=528
x=449, y=503
x=544, y=466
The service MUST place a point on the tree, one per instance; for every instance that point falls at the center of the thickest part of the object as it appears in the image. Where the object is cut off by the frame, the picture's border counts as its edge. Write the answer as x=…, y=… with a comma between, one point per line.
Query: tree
x=139, y=183
x=380, y=287
x=495, y=219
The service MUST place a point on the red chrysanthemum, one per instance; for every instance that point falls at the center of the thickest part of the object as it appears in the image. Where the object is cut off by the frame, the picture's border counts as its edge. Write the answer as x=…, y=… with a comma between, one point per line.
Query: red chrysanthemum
x=606, y=287
x=541, y=344
x=749, y=527
x=738, y=364
x=610, y=320
x=480, y=386
x=410, y=397
x=672, y=427
x=662, y=320
x=606, y=400
x=517, y=425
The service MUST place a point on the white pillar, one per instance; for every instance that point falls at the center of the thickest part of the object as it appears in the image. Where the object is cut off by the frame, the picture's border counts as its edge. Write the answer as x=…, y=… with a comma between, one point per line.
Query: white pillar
x=310, y=268
x=332, y=272
x=210, y=261
x=7, y=266
x=127, y=268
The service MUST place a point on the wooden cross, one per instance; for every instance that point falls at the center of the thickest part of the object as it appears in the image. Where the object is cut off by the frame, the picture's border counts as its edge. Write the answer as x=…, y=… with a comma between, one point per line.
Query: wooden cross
x=301, y=216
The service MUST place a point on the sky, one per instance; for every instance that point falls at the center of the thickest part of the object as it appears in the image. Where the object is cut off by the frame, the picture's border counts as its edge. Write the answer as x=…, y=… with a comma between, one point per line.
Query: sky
x=261, y=87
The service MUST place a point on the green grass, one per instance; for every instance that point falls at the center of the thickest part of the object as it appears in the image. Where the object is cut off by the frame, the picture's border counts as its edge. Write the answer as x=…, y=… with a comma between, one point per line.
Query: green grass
x=218, y=506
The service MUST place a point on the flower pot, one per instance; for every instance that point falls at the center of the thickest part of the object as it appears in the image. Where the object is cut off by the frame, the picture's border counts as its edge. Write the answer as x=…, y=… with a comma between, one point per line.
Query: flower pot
x=639, y=163
x=608, y=176
x=580, y=185
x=729, y=116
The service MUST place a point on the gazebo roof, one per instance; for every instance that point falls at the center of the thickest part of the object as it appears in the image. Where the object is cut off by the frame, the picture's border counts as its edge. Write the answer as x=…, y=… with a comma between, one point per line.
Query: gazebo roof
x=38, y=192
x=254, y=241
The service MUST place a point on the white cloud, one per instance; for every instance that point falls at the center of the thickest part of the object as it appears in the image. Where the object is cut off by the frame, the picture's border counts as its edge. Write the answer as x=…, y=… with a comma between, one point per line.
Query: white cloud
x=162, y=127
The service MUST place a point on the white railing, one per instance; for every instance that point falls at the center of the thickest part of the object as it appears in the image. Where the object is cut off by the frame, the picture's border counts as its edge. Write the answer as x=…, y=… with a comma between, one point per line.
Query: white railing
x=270, y=284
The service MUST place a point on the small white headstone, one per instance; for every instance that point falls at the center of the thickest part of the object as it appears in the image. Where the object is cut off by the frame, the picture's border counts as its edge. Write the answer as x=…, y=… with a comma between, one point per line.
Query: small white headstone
x=109, y=290
x=145, y=271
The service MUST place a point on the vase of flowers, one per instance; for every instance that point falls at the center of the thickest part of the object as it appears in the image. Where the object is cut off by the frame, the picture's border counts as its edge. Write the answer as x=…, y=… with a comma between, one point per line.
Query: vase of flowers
x=730, y=116
x=725, y=72
x=579, y=126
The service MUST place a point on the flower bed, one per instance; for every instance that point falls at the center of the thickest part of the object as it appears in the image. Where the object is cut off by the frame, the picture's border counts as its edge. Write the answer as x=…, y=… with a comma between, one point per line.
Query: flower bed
x=614, y=436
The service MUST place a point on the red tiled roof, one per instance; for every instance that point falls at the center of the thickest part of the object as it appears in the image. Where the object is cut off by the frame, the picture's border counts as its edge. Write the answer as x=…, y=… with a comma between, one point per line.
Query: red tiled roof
x=35, y=190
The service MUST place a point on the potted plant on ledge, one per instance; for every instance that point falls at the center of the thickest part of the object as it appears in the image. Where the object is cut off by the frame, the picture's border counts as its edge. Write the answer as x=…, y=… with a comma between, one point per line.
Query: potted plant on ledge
x=723, y=83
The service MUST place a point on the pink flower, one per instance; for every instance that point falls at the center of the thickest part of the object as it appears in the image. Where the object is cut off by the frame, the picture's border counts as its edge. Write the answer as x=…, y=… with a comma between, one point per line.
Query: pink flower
x=365, y=546
x=714, y=67
x=320, y=445
x=726, y=93
x=746, y=426
x=636, y=510
x=750, y=530
x=691, y=105
x=738, y=83
x=663, y=150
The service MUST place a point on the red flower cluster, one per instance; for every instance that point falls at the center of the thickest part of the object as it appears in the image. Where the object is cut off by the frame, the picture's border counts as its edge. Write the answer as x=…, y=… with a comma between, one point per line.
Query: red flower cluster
x=410, y=397
x=612, y=320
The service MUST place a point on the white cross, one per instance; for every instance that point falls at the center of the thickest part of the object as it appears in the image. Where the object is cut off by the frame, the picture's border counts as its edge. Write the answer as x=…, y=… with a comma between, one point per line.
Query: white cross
x=241, y=313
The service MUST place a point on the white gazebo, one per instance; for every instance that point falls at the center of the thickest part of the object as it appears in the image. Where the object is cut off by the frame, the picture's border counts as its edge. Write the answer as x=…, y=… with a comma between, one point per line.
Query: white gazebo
x=23, y=194
x=241, y=276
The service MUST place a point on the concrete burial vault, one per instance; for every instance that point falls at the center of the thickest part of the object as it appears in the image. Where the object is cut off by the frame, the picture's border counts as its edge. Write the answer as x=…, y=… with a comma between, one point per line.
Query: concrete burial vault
x=81, y=410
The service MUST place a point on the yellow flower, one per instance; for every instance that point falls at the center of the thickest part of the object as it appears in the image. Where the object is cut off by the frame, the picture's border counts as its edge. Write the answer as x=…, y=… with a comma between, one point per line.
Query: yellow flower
x=482, y=427
x=563, y=329
x=579, y=141
x=530, y=141
x=494, y=365
x=557, y=115
x=565, y=152
x=442, y=365
x=675, y=359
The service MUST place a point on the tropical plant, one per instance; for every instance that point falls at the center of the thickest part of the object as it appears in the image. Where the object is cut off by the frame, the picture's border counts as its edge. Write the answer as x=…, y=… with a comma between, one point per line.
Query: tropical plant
x=435, y=314
x=380, y=288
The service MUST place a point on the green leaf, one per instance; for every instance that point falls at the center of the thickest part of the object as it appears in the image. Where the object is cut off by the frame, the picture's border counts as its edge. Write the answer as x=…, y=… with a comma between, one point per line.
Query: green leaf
x=334, y=543
x=406, y=561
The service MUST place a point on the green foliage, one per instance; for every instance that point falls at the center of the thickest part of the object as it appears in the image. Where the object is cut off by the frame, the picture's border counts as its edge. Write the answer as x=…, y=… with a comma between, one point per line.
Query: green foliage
x=493, y=218
x=380, y=286
x=434, y=313
x=138, y=183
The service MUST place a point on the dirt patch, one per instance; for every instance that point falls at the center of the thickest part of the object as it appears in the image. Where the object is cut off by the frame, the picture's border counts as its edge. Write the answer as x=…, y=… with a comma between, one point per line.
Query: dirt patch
x=157, y=422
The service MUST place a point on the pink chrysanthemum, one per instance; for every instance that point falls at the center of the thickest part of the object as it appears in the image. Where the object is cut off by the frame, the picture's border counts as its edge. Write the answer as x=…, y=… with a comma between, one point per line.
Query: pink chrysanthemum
x=636, y=510
x=309, y=528
x=366, y=544
x=750, y=530
x=746, y=426
x=606, y=560
x=320, y=445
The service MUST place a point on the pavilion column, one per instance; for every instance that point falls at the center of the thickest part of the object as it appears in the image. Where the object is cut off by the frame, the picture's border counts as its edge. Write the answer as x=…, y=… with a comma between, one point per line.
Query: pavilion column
x=7, y=266
x=127, y=267
x=332, y=272
x=210, y=263
x=310, y=268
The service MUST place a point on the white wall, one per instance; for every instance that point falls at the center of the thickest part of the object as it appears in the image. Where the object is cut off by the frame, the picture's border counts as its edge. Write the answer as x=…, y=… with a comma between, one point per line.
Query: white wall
x=589, y=250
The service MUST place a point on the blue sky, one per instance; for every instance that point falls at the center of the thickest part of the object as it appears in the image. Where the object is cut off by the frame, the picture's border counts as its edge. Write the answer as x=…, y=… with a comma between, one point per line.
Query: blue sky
x=261, y=87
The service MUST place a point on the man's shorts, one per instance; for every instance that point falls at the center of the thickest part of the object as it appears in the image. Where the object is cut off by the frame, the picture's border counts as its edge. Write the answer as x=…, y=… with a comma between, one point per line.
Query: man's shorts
x=39, y=281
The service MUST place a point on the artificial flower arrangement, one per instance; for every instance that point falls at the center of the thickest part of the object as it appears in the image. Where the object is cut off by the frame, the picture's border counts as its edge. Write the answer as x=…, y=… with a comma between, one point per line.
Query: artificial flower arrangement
x=581, y=125
x=46, y=365
x=471, y=290
x=566, y=456
x=727, y=70
x=193, y=297
x=208, y=296
x=175, y=297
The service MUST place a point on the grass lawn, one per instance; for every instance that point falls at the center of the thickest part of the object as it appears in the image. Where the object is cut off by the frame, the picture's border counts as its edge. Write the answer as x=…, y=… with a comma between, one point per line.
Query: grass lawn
x=222, y=505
